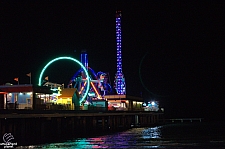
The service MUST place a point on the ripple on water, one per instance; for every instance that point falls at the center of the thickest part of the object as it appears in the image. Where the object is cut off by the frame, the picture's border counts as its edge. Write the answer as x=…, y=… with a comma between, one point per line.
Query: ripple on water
x=201, y=135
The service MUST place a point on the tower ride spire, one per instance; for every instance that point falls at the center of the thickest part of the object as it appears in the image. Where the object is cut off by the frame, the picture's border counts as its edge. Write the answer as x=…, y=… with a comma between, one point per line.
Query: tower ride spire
x=119, y=77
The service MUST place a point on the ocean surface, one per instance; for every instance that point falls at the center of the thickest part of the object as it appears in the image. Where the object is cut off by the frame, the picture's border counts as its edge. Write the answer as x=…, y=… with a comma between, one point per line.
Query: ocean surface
x=205, y=135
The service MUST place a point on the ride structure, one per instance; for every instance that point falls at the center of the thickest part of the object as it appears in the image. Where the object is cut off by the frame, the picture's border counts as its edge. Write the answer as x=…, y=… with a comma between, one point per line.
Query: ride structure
x=82, y=99
x=120, y=85
x=98, y=81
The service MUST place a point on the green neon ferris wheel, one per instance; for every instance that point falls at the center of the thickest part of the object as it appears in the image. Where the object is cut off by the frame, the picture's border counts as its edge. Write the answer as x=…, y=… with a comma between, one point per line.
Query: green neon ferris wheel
x=68, y=58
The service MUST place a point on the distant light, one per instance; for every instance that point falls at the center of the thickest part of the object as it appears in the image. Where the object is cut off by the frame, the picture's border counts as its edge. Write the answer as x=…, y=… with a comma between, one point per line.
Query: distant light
x=91, y=94
x=29, y=93
x=56, y=94
x=153, y=103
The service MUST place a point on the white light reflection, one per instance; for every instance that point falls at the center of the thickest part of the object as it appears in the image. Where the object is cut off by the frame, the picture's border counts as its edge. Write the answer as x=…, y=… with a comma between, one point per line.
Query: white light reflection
x=153, y=132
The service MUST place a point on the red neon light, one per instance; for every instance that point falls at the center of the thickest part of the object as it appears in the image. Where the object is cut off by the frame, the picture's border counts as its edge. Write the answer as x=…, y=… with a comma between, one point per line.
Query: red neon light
x=95, y=89
x=82, y=88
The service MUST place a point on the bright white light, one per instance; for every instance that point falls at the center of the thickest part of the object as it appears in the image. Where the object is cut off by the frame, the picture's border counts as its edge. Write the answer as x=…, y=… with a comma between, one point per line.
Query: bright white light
x=91, y=94
x=54, y=89
x=153, y=103
x=56, y=94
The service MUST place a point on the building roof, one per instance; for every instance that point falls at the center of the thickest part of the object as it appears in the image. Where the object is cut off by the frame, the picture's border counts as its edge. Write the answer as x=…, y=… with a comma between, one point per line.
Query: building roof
x=124, y=97
x=67, y=92
x=24, y=88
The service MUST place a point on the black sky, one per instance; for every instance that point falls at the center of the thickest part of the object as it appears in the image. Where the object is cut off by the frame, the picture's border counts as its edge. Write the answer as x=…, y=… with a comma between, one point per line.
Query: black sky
x=180, y=44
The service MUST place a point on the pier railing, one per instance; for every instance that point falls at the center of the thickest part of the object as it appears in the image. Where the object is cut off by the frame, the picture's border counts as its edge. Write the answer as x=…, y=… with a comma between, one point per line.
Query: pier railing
x=181, y=120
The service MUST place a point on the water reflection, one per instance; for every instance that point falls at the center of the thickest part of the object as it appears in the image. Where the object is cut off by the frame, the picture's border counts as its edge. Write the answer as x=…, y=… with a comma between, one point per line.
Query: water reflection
x=169, y=136
x=154, y=132
x=136, y=137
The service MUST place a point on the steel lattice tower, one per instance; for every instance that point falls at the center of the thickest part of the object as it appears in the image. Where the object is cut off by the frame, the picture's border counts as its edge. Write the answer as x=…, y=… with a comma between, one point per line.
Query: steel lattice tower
x=119, y=77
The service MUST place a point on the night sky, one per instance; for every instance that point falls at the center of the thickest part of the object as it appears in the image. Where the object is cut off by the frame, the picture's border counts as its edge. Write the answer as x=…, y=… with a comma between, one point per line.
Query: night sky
x=172, y=51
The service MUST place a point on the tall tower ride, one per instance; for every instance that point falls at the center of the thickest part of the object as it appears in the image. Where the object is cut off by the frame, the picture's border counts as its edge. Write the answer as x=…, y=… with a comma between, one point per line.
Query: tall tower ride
x=119, y=78
x=84, y=58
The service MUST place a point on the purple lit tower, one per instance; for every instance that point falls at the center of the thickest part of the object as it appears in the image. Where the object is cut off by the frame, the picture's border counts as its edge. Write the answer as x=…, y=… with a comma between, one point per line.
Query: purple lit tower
x=119, y=77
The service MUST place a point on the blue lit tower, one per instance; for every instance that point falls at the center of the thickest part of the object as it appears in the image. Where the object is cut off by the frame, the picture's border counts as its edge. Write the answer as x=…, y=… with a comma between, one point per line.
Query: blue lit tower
x=119, y=78
x=84, y=58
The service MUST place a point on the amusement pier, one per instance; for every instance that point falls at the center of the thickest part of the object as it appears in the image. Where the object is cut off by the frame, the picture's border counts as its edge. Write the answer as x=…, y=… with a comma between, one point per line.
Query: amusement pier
x=90, y=102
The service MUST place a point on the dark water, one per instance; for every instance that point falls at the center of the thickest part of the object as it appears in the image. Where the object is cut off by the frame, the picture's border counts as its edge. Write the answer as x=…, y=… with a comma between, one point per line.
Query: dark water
x=175, y=136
